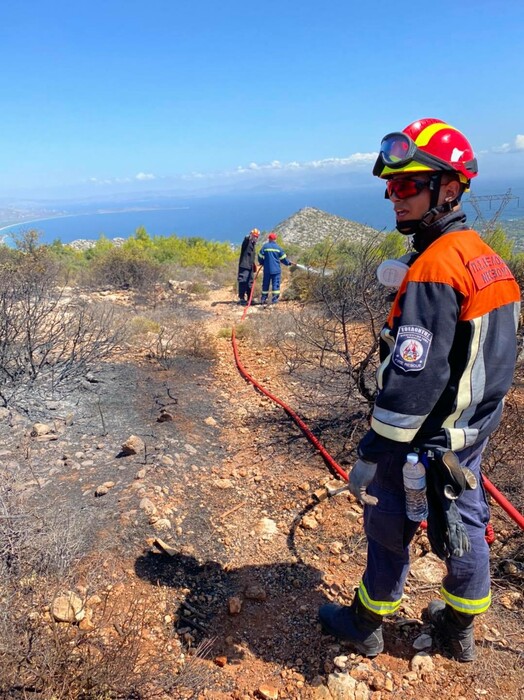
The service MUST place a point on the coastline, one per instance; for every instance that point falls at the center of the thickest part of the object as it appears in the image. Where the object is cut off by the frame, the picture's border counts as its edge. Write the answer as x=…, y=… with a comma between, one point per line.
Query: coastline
x=89, y=213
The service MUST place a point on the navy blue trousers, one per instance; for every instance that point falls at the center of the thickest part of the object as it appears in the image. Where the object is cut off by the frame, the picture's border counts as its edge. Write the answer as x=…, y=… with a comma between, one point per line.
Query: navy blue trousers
x=466, y=586
x=270, y=280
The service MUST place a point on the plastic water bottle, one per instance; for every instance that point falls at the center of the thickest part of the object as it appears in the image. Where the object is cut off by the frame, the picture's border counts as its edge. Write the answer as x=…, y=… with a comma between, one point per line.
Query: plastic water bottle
x=414, y=476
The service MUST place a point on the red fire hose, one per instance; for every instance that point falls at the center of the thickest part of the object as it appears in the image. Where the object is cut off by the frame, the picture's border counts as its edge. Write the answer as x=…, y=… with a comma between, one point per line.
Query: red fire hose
x=503, y=502
x=490, y=488
x=307, y=432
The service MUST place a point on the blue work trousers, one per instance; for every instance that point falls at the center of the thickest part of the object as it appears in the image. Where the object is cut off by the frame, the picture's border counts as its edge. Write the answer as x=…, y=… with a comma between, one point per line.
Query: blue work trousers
x=466, y=587
x=273, y=281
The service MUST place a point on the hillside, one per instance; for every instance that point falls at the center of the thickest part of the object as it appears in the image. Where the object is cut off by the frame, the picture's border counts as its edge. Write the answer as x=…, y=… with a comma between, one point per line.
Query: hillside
x=309, y=225
x=202, y=554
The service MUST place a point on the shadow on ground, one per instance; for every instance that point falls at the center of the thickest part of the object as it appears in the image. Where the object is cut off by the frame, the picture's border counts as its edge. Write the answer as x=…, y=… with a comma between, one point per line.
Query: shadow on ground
x=277, y=619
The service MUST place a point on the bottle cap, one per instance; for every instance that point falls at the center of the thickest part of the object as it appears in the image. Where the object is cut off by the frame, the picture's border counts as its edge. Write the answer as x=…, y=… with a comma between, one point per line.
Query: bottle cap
x=412, y=458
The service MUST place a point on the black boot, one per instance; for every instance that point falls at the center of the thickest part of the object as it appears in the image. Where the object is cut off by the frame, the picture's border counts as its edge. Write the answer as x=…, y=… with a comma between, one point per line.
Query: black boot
x=354, y=624
x=455, y=630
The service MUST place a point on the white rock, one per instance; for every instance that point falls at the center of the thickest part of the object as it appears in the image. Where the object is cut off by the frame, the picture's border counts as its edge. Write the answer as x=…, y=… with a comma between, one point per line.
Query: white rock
x=344, y=687
x=340, y=662
x=40, y=429
x=428, y=569
x=133, y=445
x=422, y=663
x=266, y=526
x=68, y=607
x=147, y=506
x=162, y=524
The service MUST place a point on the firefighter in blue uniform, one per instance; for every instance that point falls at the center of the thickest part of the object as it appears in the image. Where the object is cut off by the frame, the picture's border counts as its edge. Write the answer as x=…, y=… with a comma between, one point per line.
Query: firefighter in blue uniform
x=271, y=256
x=459, y=304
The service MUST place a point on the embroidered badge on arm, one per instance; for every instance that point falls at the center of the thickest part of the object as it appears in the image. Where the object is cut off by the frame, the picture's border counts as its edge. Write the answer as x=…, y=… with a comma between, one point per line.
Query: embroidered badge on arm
x=411, y=348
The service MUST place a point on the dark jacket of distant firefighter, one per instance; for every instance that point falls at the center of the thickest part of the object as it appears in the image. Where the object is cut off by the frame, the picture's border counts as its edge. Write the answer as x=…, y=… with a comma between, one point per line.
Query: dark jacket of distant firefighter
x=247, y=265
x=248, y=252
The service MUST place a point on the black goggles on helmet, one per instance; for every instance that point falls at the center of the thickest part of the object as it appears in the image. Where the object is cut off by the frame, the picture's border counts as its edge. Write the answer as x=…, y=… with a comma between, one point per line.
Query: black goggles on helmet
x=398, y=149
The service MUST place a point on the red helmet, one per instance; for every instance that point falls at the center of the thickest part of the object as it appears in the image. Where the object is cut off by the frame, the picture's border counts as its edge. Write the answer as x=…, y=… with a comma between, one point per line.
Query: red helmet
x=272, y=236
x=427, y=145
x=255, y=232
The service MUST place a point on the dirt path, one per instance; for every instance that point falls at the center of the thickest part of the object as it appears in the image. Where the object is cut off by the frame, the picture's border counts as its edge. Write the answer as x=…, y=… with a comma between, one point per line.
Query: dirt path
x=227, y=485
x=296, y=554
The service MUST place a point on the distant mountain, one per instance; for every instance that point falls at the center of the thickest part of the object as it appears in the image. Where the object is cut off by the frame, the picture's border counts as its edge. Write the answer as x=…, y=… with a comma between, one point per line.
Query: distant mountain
x=309, y=226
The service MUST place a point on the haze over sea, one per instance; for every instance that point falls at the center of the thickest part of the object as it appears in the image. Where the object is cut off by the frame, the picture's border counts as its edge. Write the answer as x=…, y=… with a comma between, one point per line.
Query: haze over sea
x=229, y=217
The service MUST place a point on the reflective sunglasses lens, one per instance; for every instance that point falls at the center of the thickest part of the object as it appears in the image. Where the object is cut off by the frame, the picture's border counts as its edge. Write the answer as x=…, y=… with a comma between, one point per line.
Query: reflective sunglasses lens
x=395, y=148
x=402, y=189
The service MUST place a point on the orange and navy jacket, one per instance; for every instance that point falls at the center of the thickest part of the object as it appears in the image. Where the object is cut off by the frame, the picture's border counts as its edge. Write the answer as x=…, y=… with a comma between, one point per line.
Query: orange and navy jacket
x=447, y=350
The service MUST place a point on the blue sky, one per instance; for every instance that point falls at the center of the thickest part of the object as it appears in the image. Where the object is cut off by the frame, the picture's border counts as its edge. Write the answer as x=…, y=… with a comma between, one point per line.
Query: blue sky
x=169, y=95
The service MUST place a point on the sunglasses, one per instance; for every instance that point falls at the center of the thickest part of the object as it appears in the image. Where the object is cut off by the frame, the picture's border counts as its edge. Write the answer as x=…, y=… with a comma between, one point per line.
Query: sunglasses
x=402, y=188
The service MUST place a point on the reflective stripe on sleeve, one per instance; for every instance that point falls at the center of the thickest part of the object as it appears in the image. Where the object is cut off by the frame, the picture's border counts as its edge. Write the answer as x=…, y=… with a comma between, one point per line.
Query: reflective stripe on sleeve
x=472, y=383
x=395, y=426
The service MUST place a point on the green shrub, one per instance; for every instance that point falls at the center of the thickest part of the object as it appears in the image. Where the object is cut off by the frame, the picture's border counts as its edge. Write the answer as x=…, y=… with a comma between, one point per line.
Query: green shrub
x=499, y=241
x=198, y=288
x=124, y=268
x=226, y=332
x=140, y=325
x=140, y=258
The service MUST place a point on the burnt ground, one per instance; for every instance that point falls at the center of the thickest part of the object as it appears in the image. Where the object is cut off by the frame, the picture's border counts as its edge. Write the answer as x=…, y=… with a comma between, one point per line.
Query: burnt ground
x=228, y=607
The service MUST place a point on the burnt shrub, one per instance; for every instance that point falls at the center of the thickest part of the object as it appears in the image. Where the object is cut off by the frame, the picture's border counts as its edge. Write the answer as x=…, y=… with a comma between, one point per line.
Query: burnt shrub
x=120, y=268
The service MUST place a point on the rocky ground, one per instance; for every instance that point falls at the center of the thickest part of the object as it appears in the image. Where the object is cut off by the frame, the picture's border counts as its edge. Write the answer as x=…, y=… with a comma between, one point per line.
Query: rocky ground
x=210, y=553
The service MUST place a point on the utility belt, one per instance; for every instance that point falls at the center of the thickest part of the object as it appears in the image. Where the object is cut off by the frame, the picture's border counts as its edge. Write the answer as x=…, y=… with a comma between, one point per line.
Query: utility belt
x=446, y=481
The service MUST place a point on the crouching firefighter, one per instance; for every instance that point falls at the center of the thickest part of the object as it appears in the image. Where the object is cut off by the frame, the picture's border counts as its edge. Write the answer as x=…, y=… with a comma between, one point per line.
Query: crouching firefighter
x=448, y=352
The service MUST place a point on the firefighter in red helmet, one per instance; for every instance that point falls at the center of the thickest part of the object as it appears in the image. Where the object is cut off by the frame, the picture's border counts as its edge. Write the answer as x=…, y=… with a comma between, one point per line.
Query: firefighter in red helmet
x=458, y=303
x=426, y=157
x=271, y=256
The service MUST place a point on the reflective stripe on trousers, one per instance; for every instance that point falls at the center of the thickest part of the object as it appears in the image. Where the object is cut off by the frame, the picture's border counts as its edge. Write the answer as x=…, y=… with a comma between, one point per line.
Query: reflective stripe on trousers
x=466, y=586
x=270, y=280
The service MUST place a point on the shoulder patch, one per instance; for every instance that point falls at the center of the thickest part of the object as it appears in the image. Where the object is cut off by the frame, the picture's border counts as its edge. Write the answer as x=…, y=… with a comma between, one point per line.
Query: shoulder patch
x=411, y=348
x=487, y=269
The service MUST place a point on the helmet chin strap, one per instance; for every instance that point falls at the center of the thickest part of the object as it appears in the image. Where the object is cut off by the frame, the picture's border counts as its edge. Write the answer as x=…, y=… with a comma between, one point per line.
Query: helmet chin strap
x=431, y=216
x=408, y=228
x=420, y=226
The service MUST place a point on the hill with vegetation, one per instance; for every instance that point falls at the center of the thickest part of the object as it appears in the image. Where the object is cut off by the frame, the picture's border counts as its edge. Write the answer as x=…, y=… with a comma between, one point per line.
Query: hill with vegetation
x=309, y=225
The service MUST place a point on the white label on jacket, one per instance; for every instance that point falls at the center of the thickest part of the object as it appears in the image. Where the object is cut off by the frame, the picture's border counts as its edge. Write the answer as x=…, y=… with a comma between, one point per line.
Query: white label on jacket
x=411, y=348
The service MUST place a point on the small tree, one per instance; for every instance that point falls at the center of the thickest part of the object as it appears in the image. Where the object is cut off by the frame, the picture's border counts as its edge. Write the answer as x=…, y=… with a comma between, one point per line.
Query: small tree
x=499, y=241
x=46, y=338
x=332, y=343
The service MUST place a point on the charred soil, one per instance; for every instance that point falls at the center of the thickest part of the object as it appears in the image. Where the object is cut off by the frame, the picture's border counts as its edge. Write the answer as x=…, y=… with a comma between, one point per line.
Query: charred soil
x=210, y=536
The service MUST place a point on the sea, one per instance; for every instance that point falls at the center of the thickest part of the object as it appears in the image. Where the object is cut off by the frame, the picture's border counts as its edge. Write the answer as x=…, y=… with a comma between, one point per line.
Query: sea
x=229, y=217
